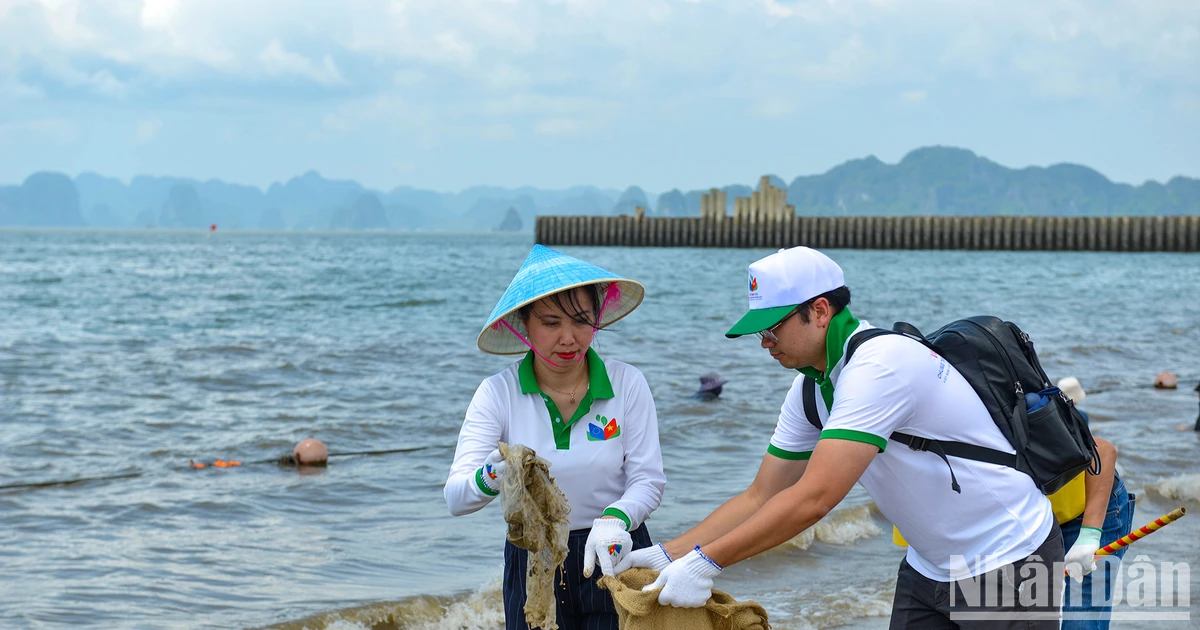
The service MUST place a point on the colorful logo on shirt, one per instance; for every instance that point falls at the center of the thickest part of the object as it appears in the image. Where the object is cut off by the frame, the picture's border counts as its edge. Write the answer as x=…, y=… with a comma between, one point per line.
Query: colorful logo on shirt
x=489, y=472
x=603, y=429
x=614, y=549
x=753, y=283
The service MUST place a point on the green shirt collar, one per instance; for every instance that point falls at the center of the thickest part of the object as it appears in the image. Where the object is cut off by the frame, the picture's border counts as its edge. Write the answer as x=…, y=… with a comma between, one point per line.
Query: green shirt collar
x=598, y=383
x=841, y=327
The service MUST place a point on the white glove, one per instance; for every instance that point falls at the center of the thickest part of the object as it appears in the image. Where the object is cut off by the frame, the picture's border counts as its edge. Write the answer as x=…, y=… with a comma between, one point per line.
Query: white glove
x=1081, y=557
x=609, y=541
x=491, y=473
x=655, y=557
x=687, y=582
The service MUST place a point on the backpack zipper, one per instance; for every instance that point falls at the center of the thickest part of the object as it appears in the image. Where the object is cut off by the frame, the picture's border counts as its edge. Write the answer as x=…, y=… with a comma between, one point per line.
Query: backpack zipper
x=1031, y=355
x=1012, y=369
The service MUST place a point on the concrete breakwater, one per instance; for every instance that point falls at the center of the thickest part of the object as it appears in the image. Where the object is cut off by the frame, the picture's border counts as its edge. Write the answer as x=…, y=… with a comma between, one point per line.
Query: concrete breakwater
x=1119, y=234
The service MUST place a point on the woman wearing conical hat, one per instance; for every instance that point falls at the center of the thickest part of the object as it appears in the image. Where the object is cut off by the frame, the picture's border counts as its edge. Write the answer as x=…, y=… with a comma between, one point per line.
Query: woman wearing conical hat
x=593, y=420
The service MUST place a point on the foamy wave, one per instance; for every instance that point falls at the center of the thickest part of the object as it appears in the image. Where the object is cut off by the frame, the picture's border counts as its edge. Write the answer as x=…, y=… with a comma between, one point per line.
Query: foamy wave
x=481, y=610
x=839, y=527
x=1184, y=487
x=816, y=608
x=841, y=607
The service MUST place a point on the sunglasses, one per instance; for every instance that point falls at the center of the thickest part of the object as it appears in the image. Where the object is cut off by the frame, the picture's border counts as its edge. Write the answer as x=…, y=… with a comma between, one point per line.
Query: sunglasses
x=769, y=334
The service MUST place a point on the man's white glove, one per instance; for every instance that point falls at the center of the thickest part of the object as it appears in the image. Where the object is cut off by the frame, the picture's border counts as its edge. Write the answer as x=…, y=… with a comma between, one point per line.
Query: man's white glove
x=655, y=557
x=491, y=473
x=1081, y=557
x=608, y=541
x=687, y=582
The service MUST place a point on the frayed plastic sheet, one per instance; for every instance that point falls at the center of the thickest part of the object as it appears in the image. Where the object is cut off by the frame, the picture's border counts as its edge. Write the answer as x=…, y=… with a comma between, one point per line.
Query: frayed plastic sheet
x=536, y=511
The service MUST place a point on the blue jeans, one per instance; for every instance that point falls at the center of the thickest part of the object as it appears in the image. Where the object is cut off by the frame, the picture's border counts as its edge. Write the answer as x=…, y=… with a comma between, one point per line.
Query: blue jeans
x=1088, y=606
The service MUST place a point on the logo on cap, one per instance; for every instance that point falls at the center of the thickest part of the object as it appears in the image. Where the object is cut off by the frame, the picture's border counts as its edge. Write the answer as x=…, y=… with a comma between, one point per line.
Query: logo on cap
x=754, y=289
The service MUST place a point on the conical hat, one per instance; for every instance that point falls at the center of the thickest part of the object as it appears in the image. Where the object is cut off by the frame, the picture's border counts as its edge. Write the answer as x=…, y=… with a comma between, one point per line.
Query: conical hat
x=544, y=273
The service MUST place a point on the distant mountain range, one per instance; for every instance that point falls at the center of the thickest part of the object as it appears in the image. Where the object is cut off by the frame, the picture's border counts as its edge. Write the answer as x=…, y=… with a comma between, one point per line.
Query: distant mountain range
x=927, y=181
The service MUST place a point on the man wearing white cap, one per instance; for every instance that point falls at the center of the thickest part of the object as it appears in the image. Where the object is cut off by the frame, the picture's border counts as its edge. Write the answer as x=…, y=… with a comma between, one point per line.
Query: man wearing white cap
x=986, y=537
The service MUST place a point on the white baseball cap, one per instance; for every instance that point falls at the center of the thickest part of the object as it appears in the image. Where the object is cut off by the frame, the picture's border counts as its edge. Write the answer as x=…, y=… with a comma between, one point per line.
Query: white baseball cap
x=781, y=282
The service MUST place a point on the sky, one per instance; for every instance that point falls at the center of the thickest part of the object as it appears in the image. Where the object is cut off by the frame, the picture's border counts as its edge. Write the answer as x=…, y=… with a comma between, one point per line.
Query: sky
x=448, y=94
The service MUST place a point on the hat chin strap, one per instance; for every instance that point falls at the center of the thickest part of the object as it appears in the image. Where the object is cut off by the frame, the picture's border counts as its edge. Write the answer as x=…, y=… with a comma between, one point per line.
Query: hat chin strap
x=523, y=340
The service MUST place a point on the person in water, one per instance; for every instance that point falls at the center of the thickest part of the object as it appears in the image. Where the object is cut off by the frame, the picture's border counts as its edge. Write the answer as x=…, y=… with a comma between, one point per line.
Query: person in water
x=710, y=387
x=592, y=419
x=1184, y=427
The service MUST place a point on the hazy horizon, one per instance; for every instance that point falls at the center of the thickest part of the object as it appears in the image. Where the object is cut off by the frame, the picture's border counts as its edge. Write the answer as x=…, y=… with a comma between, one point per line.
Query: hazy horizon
x=611, y=189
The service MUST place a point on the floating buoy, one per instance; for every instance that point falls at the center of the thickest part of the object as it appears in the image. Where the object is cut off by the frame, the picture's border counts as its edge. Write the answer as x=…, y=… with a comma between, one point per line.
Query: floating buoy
x=212, y=228
x=1166, y=380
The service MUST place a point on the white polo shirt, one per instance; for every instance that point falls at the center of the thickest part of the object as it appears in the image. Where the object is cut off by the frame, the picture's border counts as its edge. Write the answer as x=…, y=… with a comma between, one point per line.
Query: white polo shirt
x=894, y=383
x=606, y=459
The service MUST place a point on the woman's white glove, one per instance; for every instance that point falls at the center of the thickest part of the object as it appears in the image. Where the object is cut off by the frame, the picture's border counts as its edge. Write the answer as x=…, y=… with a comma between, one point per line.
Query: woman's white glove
x=607, y=541
x=687, y=582
x=491, y=473
x=655, y=557
x=1081, y=557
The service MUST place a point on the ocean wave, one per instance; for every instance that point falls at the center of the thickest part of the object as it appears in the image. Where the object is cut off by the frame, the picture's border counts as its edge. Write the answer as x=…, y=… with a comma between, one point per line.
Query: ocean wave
x=1093, y=349
x=397, y=304
x=1185, y=487
x=839, y=527
x=482, y=609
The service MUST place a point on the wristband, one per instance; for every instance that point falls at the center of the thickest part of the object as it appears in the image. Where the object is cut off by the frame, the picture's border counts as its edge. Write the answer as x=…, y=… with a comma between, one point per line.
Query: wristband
x=710, y=560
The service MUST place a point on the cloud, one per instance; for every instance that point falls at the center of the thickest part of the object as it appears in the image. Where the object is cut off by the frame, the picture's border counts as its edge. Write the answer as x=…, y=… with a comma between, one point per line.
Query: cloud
x=425, y=73
x=147, y=130
x=773, y=108
x=58, y=130
x=622, y=46
x=277, y=60
x=558, y=127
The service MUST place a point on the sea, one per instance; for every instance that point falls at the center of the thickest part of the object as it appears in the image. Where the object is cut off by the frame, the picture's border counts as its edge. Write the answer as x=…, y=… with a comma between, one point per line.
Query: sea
x=125, y=355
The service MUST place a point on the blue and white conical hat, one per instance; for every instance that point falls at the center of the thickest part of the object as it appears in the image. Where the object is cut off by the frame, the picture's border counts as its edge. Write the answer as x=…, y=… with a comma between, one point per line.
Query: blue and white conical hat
x=544, y=273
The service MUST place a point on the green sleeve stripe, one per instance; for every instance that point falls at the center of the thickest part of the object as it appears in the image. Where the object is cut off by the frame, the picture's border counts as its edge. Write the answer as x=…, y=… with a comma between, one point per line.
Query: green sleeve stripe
x=855, y=436
x=483, y=487
x=612, y=511
x=792, y=455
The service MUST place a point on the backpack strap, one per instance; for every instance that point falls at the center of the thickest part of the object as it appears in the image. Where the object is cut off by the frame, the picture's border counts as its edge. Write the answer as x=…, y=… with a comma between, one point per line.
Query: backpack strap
x=944, y=448
x=859, y=339
x=810, y=402
x=809, y=386
x=941, y=448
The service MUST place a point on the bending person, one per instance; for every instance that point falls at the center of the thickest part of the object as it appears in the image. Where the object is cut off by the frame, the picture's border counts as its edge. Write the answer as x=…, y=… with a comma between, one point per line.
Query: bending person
x=983, y=533
x=593, y=420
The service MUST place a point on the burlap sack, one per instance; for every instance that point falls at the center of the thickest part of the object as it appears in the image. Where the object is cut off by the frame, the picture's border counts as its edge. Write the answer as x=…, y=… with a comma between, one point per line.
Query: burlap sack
x=637, y=610
x=537, y=515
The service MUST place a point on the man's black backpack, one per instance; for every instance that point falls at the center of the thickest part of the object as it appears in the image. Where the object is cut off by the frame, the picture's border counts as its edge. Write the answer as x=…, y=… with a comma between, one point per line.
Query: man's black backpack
x=1053, y=444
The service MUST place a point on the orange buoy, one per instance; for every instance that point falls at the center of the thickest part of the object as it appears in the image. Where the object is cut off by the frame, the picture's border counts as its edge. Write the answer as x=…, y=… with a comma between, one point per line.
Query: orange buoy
x=1166, y=380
